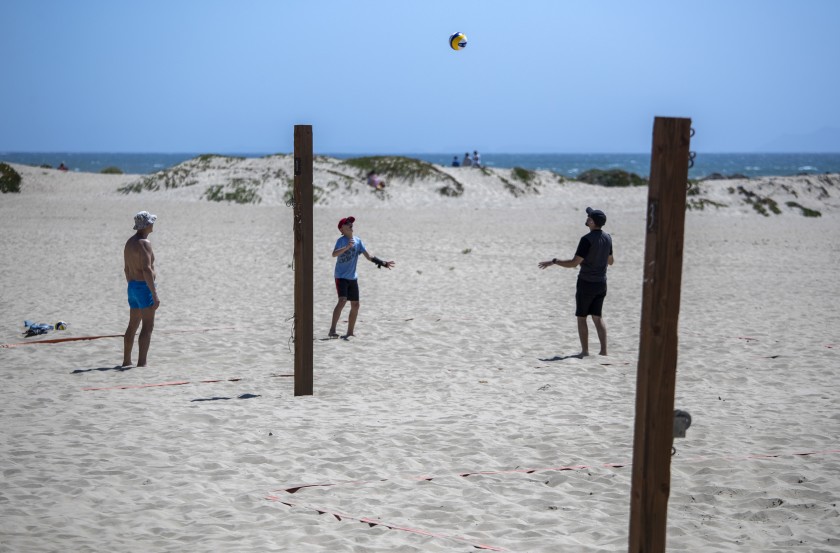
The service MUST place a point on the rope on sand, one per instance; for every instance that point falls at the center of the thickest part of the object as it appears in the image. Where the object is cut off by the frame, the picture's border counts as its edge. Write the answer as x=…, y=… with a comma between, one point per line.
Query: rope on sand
x=173, y=383
x=375, y=522
x=59, y=340
x=79, y=338
x=158, y=385
x=294, y=489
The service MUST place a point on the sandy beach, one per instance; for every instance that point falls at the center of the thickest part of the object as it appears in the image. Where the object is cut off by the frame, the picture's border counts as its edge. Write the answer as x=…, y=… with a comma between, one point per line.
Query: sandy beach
x=456, y=418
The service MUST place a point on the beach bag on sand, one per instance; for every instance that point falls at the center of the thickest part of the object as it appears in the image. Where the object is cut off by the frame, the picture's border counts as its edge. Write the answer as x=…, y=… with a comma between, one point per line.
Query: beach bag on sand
x=36, y=329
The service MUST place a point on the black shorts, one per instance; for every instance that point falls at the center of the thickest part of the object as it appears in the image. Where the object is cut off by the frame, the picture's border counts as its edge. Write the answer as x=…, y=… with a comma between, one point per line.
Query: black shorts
x=347, y=288
x=589, y=298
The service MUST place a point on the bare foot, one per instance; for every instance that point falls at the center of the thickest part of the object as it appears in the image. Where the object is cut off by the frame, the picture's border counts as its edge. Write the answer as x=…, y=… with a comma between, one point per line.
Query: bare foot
x=348, y=336
x=333, y=334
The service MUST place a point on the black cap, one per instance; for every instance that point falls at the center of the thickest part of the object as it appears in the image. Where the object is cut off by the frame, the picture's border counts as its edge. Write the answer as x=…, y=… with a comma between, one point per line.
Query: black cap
x=597, y=215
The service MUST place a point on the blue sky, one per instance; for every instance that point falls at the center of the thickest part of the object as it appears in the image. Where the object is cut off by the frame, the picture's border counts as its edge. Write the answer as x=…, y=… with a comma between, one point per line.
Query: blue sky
x=377, y=76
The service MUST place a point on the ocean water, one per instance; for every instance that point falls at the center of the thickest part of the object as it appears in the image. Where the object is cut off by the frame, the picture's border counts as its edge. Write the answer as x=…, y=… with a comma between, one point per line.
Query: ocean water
x=751, y=165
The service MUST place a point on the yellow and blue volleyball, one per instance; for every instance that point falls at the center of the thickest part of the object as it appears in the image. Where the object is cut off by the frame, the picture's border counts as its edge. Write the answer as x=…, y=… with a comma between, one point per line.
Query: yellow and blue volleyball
x=458, y=41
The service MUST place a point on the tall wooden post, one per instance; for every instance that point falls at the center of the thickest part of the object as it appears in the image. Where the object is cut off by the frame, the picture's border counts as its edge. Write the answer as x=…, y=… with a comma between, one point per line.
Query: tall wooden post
x=656, y=376
x=303, y=260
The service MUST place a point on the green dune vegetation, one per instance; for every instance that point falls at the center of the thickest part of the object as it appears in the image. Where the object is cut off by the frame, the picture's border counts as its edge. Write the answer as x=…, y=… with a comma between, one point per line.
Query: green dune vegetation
x=245, y=181
x=611, y=177
x=407, y=169
x=9, y=179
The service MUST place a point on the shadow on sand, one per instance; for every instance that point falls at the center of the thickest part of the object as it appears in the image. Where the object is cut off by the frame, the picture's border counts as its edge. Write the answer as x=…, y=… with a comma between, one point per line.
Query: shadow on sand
x=243, y=396
x=562, y=358
x=117, y=368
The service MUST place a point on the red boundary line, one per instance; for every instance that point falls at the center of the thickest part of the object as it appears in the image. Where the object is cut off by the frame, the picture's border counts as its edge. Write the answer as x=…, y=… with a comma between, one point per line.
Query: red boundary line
x=59, y=340
x=173, y=383
x=129, y=387
x=79, y=338
x=374, y=522
x=294, y=489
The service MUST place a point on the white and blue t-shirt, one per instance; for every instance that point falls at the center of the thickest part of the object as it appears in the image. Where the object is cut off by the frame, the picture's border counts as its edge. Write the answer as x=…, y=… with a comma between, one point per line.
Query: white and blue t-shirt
x=345, y=264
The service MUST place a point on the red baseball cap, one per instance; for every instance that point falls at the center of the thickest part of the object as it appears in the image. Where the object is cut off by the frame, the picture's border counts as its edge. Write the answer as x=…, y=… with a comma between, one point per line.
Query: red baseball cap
x=346, y=220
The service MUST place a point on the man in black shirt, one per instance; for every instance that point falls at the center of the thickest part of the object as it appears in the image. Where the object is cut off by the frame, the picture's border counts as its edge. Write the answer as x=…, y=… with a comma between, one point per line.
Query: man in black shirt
x=594, y=253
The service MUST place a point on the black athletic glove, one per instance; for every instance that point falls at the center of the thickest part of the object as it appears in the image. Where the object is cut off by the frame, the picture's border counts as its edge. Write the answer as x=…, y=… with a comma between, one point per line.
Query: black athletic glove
x=379, y=262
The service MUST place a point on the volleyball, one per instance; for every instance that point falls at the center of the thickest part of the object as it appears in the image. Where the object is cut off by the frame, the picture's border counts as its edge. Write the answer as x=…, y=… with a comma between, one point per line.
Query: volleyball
x=458, y=41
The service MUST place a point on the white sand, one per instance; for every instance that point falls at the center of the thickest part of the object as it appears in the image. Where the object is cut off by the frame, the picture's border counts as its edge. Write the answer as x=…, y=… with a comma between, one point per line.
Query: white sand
x=448, y=374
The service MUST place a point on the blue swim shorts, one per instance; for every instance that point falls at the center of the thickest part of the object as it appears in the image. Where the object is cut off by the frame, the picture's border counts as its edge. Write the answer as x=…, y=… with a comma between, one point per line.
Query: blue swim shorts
x=139, y=295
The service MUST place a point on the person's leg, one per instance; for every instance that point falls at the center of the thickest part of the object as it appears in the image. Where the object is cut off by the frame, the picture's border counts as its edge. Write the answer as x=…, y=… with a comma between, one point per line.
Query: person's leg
x=148, y=316
x=354, y=312
x=583, y=333
x=601, y=327
x=582, y=301
x=134, y=319
x=353, y=297
x=336, y=314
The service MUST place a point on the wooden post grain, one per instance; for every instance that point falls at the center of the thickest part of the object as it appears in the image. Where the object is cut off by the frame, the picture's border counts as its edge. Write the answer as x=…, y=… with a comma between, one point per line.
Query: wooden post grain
x=303, y=260
x=656, y=376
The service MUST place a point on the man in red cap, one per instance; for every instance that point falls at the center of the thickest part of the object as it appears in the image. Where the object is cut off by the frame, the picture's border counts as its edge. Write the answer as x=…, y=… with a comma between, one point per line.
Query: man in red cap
x=594, y=253
x=347, y=250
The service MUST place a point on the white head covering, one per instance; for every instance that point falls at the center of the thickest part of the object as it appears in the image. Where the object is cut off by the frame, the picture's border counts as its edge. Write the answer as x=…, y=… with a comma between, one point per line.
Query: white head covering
x=143, y=219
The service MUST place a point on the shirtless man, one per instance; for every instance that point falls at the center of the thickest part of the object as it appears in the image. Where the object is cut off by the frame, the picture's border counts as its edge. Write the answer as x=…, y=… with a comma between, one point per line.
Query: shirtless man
x=142, y=296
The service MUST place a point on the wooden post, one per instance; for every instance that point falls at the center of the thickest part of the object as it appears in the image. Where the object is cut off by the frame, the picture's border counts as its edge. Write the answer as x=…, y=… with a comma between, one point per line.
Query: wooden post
x=656, y=376
x=303, y=260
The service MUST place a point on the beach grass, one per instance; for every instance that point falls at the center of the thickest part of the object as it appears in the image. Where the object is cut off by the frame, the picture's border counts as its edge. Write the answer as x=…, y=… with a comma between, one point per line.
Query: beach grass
x=239, y=191
x=9, y=179
x=611, y=177
x=407, y=169
x=806, y=212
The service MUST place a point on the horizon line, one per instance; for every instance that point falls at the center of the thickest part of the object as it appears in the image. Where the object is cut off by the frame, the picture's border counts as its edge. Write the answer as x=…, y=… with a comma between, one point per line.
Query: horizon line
x=368, y=153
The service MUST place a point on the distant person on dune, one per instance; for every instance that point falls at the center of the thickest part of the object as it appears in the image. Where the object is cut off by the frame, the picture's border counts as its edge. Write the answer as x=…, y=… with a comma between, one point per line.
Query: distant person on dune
x=455, y=162
x=62, y=167
x=467, y=161
x=375, y=181
x=594, y=254
x=143, y=300
x=476, y=159
x=347, y=249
